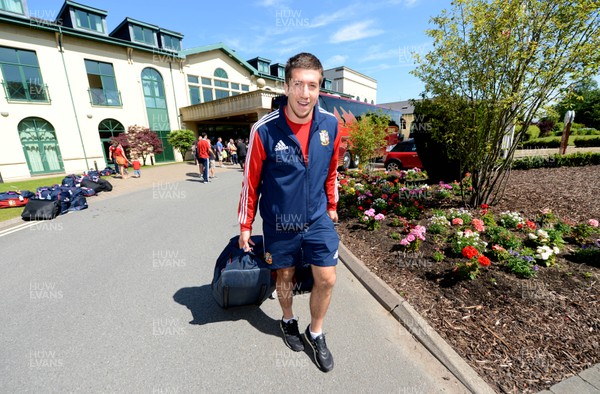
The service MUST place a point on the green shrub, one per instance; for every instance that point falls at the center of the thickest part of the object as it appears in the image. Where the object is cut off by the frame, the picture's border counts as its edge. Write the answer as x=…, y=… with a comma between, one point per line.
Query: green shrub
x=532, y=132
x=586, y=142
x=548, y=142
x=556, y=160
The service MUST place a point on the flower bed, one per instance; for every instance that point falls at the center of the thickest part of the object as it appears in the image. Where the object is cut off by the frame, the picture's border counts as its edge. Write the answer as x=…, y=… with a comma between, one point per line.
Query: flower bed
x=482, y=276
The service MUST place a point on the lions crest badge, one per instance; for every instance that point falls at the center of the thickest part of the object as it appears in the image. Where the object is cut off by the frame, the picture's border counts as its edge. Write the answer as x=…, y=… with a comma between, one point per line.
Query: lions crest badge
x=324, y=137
x=268, y=258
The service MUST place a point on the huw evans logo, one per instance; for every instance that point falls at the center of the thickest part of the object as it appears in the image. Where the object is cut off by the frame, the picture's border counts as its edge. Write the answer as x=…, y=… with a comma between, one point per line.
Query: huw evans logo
x=44, y=359
x=44, y=291
x=290, y=18
x=290, y=223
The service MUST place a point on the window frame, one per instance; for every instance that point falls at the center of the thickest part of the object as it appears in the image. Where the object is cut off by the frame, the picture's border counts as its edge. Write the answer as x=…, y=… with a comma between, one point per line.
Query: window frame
x=88, y=15
x=24, y=69
x=103, y=79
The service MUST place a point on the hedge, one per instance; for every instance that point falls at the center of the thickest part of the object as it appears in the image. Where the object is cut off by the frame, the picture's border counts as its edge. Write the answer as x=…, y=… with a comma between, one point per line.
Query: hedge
x=556, y=160
x=550, y=142
x=586, y=142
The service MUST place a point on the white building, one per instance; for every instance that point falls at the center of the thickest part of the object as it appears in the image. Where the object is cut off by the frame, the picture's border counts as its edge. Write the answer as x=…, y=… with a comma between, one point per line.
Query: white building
x=359, y=86
x=70, y=85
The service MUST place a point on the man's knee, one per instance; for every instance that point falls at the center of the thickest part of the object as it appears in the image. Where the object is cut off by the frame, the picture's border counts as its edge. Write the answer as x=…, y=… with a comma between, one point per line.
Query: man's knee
x=324, y=277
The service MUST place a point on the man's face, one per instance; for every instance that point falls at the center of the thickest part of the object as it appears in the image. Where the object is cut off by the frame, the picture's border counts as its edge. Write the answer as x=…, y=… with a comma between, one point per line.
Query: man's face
x=303, y=93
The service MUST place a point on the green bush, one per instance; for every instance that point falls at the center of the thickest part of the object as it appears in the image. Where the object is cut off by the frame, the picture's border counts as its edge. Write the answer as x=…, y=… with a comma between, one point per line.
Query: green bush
x=548, y=142
x=532, y=132
x=586, y=142
x=556, y=160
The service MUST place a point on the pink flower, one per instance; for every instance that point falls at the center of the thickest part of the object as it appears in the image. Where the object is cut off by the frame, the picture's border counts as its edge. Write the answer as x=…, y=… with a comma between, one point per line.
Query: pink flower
x=410, y=237
x=404, y=242
x=379, y=216
x=457, y=222
x=370, y=212
x=478, y=224
x=593, y=222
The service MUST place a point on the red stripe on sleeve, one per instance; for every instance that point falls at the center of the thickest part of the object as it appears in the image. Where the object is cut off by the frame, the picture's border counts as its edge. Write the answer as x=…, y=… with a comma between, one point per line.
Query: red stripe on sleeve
x=252, y=170
x=331, y=184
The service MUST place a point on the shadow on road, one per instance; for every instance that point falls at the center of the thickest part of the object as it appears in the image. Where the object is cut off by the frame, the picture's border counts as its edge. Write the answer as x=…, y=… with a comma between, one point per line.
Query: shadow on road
x=199, y=300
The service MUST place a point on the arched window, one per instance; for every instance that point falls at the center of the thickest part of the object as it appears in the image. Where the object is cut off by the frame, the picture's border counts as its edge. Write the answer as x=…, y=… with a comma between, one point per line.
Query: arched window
x=220, y=73
x=154, y=88
x=40, y=146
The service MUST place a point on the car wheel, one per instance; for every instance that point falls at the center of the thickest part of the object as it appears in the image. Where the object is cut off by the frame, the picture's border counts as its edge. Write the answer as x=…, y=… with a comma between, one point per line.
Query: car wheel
x=346, y=161
x=355, y=161
x=393, y=166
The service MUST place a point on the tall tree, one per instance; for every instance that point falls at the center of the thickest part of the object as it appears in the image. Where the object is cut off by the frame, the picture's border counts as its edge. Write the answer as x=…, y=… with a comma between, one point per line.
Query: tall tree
x=500, y=61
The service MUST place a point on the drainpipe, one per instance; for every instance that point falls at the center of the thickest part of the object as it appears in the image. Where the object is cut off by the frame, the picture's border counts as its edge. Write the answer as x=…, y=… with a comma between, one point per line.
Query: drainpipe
x=174, y=95
x=62, y=55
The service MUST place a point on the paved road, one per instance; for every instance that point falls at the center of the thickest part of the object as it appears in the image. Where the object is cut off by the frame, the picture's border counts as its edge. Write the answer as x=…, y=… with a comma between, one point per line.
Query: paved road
x=116, y=298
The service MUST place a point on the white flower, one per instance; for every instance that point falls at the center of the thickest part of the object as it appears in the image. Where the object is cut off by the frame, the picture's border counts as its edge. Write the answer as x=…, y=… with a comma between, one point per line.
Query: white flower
x=542, y=234
x=543, y=253
x=532, y=236
x=556, y=250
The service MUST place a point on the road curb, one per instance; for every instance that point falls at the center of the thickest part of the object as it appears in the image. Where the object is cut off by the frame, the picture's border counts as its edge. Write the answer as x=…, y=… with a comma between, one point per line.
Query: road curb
x=414, y=323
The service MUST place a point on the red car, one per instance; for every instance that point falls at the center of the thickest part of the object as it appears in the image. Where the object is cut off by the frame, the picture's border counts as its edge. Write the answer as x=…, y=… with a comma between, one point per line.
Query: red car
x=402, y=156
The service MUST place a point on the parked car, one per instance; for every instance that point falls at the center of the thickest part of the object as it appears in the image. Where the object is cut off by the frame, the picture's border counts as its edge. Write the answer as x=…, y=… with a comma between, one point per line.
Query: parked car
x=402, y=156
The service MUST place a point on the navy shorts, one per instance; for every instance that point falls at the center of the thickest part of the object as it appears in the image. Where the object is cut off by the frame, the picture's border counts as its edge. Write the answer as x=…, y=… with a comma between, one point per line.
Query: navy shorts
x=317, y=245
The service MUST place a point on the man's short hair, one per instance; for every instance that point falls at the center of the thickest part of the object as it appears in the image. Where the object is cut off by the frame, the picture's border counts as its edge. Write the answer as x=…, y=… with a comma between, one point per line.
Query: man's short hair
x=204, y=135
x=304, y=60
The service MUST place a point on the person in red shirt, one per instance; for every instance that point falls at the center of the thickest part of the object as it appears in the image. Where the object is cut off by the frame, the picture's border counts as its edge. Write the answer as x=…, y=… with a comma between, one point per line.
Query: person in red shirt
x=291, y=176
x=137, y=172
x=203, y=156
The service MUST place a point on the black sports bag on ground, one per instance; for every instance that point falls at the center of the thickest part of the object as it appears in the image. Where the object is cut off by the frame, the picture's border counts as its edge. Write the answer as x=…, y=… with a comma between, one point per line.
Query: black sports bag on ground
x=38, y=209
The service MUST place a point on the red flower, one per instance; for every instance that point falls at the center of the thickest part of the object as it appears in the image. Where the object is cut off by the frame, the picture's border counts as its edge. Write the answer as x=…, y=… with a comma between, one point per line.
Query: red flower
x=484, y=206
x=469, y=252
x=520, y=226
x=484, y=261
x=530, y=224
x=360, y=208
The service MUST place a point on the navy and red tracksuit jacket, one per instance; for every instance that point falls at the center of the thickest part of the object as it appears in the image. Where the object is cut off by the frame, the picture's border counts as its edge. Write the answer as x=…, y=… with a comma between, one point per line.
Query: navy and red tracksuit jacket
x=290, y=189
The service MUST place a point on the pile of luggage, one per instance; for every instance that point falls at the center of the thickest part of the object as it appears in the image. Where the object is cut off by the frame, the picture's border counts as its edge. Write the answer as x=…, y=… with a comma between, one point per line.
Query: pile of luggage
x=50, y=201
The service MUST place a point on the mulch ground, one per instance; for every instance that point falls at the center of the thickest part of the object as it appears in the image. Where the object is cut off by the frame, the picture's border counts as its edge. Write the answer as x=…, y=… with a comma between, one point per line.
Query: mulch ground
x=520, y=335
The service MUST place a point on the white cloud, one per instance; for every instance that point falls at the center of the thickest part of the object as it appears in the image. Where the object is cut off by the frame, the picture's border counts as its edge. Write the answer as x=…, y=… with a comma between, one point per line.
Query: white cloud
x=335, y=61
x=328, y=18
x=355, y=32
x=377, y=52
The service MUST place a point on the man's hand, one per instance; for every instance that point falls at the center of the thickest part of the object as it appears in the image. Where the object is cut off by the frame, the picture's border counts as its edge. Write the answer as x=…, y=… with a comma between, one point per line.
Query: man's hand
x=333, y=216
x=245, y=242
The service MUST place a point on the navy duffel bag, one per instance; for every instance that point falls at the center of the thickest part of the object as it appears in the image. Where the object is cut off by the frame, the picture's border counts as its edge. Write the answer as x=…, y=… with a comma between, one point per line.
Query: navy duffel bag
x=242, y=278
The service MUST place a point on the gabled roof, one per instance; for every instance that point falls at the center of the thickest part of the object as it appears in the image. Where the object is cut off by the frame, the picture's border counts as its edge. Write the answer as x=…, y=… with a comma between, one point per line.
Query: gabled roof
x=222, y=47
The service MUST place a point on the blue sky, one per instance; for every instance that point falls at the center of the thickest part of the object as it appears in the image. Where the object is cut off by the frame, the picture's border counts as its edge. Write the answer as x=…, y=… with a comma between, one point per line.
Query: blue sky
x=375, y=38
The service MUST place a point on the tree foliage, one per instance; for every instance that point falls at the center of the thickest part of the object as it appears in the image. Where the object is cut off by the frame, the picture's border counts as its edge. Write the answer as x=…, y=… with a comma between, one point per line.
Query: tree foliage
x=368, y=136
x=182, y=140
x=584, y=99
x=140, y=140
x=496, y=63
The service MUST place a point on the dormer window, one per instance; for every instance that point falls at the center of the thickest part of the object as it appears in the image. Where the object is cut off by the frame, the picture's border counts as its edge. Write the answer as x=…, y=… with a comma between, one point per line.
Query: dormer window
x=170, y=42
x=14, y=6
x=88, y=21
x=263, y=67
x=144, y=35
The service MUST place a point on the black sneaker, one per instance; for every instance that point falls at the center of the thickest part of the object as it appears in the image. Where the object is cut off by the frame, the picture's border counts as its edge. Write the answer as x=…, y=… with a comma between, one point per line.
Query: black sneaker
x=291, y=335
x=323, y=357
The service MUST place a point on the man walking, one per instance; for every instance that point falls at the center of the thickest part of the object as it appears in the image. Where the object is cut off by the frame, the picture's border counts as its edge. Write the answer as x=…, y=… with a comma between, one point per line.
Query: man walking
x=292, y=166
x=203, y=156
x=241, y=152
